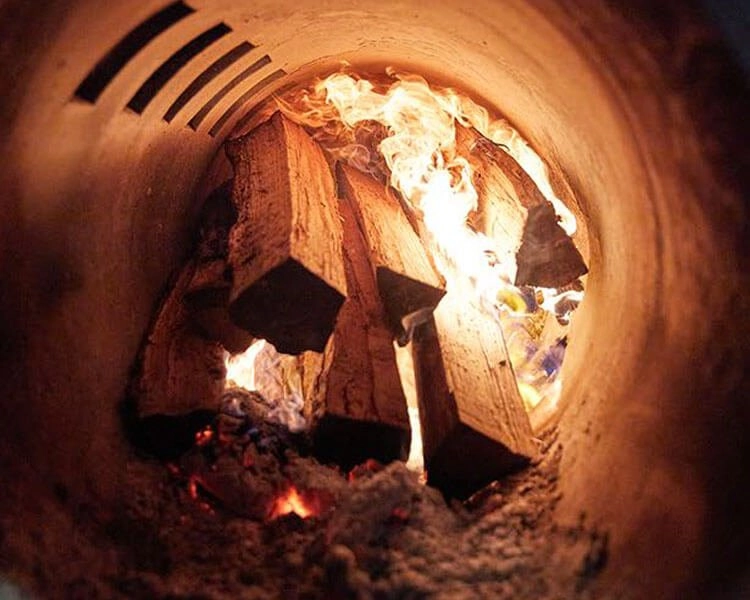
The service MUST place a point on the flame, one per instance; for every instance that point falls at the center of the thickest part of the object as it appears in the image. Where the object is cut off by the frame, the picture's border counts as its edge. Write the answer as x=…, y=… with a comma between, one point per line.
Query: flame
x=241, y=367
x=419, y=149
x=291, y=501
x=404, y=131
x=275, y=376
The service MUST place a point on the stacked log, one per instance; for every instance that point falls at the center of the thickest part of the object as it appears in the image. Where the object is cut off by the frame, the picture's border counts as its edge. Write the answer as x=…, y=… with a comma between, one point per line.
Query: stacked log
x=517, y=217
x=180, y=371
x=354, y=399
x=207, y=294
x=285, y=249
x=407, y=282
x=474, y=426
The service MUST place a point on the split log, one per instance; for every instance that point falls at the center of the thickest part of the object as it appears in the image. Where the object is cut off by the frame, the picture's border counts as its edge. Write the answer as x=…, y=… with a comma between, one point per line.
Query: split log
x=180, y=371
x=547, y=256
x=474, y=427
x=285, y=249
x=407, y=282
x=353, y=396
x=207, y=294
x=517, y=217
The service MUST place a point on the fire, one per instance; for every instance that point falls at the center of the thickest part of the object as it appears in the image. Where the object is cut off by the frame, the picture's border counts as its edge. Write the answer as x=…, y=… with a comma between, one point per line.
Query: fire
x=241, y=367
x=275, y=376
x=291, y=501
x=404, y=131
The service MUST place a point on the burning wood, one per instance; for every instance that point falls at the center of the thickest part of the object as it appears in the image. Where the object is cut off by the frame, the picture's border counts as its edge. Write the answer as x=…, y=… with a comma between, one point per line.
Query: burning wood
x=474, y=427
x=514, y=213
x=180, y=371
x=353, y=393
x=285, y=250
x=207, y=294
x=407, y=282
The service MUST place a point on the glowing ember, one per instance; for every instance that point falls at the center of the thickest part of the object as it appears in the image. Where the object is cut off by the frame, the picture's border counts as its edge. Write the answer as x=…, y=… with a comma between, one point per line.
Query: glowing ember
x=289, y=502
x=195, y=495
x=204, y=436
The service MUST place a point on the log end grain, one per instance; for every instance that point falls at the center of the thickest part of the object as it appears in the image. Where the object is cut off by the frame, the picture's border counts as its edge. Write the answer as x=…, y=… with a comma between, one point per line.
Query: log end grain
x=290, y=307
x=403, y=297
x=547, y=257
x=349, y=442
x=467, y=461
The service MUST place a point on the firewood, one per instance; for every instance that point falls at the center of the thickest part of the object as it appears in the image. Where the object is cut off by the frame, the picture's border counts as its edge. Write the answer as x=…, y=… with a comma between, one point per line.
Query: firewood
x=207, y=293
x=407, y=282
x=517, y=217
x=285, y=249
x=180, y=371
x=353, y=396
x=474, y=427
x=547, y=256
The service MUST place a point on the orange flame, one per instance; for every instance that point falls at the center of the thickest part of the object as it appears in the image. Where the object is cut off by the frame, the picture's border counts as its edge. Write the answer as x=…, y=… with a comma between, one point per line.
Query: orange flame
x=404, y=130
x=291, y=501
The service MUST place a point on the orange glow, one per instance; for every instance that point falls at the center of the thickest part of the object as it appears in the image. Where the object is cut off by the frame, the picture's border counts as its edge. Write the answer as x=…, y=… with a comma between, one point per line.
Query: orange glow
x=291, y=501
x=204, y=436
x=193, y=491
x=368, y=467
x=403, y=131
x=418, y=145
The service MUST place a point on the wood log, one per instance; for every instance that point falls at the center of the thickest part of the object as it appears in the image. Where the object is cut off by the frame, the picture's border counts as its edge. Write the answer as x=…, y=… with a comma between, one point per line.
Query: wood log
x=180, y=371
x=547, y=256
x=407, y=282
x=353, y=396
x=285, y=249
x=517, y=217
x=474, y=427
x=207, y=293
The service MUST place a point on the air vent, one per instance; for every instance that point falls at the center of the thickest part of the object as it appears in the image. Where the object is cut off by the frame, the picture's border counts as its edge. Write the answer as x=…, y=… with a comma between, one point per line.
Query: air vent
x=244, y=98
x=218, y=96
x=213, y=71
x=173, y=64
x=110, y=65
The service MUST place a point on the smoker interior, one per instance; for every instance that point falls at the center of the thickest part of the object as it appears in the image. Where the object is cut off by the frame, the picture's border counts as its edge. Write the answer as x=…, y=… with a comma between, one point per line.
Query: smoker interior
x=637, y=110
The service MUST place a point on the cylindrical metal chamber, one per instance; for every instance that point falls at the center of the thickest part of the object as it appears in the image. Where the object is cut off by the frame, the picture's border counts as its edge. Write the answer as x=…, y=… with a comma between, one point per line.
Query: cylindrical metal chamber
x=636, y=111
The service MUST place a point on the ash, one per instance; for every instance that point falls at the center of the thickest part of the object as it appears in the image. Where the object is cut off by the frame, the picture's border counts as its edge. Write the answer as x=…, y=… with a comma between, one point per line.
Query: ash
x=202, y=528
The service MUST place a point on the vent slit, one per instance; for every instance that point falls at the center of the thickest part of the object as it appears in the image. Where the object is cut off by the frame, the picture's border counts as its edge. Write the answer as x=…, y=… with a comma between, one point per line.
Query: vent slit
x=173, y=64
x=206, y=77
x=217, y=97
x=113, y=62
x=244, y=98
